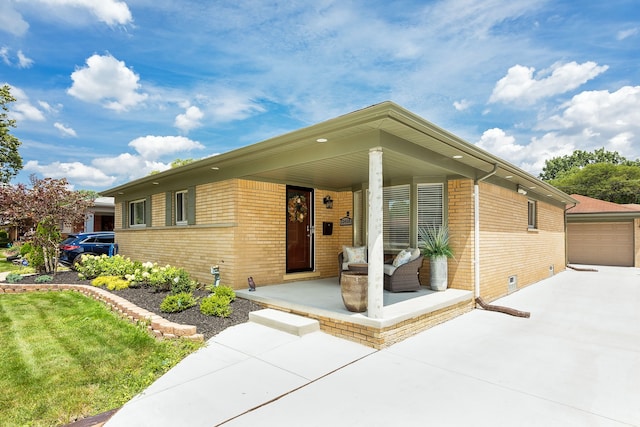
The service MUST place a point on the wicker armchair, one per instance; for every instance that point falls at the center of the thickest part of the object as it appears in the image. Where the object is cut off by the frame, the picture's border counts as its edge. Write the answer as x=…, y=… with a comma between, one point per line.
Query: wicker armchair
x=405, y=277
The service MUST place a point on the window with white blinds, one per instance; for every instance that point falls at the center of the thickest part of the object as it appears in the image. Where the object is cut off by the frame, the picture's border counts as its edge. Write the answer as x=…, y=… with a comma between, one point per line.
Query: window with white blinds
x=397, y=216
x=430, y=206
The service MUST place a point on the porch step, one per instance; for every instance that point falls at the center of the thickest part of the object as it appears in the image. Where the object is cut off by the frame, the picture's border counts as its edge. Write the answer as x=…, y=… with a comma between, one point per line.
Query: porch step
x=286, y=322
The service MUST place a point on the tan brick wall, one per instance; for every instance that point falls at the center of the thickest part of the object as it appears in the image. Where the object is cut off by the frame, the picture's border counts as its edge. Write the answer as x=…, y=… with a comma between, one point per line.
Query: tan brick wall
x=636, y=237
x=508, y=248
x=384, y=337
x=240, y=226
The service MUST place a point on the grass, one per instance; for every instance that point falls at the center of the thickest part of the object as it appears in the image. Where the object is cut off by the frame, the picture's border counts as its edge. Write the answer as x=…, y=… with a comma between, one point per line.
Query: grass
x=65, y=356
x=11, y=267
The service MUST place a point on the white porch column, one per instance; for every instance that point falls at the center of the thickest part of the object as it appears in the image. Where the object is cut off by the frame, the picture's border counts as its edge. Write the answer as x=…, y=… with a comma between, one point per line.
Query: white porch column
x=375, y=242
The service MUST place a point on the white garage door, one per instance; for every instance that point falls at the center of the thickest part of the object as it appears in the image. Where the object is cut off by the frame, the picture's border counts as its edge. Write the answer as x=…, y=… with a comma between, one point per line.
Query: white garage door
x=601, y=243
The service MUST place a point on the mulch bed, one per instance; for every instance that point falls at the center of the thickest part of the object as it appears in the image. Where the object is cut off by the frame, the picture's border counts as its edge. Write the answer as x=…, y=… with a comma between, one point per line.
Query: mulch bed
x=150, y=300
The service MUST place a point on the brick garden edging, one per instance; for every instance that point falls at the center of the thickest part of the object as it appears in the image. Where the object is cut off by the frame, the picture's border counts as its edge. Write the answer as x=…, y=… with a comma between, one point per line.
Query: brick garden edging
x=157, y=325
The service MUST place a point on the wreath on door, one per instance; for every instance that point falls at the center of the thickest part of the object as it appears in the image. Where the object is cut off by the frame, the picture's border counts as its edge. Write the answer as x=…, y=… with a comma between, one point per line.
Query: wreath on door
x=297, y=208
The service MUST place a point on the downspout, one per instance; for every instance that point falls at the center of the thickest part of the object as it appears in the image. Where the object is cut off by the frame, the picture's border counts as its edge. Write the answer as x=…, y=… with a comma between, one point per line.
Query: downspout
x=566, y=239
x=476, y=230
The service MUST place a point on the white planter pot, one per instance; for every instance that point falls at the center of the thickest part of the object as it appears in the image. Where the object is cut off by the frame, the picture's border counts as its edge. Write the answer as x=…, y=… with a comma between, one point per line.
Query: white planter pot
x=438, y=269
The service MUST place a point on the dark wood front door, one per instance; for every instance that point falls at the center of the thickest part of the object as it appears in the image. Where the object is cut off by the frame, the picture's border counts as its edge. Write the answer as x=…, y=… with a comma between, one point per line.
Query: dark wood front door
x=299, y=229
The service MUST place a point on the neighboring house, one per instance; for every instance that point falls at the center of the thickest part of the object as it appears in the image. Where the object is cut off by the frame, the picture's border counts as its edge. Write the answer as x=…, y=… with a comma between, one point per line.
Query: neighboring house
x=603, y=233
x=98, y=217
x=282, y=209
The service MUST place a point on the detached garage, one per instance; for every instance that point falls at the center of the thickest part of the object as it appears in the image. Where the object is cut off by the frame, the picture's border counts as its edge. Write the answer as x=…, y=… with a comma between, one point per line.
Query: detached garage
x=603, y=233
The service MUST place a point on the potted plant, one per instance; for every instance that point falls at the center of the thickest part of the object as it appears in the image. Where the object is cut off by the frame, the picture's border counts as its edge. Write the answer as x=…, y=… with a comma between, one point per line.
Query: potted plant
x=435, y=246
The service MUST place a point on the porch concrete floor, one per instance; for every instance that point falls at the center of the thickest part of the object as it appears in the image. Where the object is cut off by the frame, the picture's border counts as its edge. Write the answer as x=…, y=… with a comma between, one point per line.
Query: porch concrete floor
x=322, y=297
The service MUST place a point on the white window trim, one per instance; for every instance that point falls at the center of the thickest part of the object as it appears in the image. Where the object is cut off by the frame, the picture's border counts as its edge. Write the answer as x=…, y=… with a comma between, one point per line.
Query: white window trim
x=144, y=213
x=183, y=207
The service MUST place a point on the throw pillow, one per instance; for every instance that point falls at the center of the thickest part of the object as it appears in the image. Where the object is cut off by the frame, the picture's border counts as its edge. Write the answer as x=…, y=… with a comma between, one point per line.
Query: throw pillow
x=402, y=258
x=355, y=255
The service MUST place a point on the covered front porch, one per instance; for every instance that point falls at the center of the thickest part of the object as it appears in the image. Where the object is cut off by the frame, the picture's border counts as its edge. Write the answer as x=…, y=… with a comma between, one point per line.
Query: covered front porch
x=403, y=314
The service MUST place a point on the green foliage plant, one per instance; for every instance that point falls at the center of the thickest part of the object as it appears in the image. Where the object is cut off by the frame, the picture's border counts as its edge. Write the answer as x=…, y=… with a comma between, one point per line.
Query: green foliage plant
x=216, y=305
x=112, y=283
x=44, y=278
x=435, y=241
x=10, y=159
x=14, y=277
x=224, y=291
x=92, y=266
x=177, y=302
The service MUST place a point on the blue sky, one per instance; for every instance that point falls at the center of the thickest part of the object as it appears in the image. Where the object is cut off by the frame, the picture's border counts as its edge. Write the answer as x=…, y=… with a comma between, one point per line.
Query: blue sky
x=110, y=90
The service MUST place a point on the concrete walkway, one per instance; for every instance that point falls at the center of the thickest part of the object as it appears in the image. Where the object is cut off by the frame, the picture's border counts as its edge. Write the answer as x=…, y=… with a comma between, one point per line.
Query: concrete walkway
x=575, y=361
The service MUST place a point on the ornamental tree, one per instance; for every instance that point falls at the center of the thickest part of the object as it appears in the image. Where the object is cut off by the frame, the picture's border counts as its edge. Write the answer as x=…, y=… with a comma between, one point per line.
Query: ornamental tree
x=45, y=207
x=10, y=160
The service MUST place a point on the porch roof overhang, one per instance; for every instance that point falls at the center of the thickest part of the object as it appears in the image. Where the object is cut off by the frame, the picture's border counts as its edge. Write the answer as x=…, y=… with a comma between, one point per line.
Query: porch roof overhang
x=412, y=147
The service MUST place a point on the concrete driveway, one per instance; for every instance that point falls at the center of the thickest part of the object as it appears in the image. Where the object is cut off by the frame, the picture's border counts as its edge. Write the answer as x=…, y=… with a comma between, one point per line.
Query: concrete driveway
x=575, y=361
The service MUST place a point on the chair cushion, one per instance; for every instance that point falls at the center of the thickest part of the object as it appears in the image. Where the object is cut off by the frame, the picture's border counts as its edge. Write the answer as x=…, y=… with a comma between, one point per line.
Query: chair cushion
x=415, y=253
x=389, y=269
x=402, y=258
x=355, y=254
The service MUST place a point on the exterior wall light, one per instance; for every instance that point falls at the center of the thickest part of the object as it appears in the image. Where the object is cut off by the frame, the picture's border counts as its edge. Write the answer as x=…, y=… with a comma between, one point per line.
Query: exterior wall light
x=328, y=202
x=522, y=190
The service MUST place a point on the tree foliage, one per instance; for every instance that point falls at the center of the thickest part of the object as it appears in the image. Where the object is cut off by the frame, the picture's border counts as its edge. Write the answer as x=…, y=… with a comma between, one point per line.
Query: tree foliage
x=554, y=168
x=10, y=159
x=617, y=183
x=46, y=207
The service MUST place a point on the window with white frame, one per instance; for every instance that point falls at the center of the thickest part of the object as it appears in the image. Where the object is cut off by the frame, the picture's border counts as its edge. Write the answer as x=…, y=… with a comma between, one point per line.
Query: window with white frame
x=430, y=206
x=137, y=213
x=181, y=207
x=396, y=216
x=532, y=214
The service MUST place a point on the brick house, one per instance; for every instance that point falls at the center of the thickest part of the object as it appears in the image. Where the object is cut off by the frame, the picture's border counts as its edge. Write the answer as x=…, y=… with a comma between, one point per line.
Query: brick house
x=237, y=209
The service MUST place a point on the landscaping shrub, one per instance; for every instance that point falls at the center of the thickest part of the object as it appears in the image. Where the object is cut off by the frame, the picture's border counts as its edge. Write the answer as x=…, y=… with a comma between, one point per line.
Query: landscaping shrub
x=45, y=278
x=113, y=283
x=224, y=291
x=93, y=266
x=13, y=278
x=177, y=302
x=216, y=305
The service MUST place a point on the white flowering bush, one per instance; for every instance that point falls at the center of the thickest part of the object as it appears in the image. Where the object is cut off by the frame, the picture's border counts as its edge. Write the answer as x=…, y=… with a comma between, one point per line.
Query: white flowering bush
x=92, y=266
x=167, y=278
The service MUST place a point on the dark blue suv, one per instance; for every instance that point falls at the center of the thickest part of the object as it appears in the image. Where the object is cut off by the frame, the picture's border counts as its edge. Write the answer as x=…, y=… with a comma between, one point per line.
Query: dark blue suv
x=96, y=243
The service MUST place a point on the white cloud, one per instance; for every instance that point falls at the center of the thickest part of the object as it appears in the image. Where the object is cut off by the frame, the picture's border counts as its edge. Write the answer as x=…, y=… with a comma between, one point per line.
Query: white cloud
x=108, y=81
x=23, y=61
x=521, y=86
x=152, y=147
x=64, y=129
x=128, y=166
x=189, y=120
x=4, y=54
x=497, y=142
x=111, y=12
x=22, y=109
x=229, y=106
x=74, y=172
x=628, y=33
x=11, y=20
x=462, y=105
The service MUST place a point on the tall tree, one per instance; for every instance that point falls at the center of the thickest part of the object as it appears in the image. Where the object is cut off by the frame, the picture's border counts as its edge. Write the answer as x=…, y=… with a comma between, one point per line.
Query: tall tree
x=603, y=181
x=46, y=206
x=557, y=166
x=10, y=160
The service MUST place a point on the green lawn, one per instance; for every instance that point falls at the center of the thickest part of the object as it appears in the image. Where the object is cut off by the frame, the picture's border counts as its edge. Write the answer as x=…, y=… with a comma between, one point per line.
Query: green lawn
x=64, y=356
